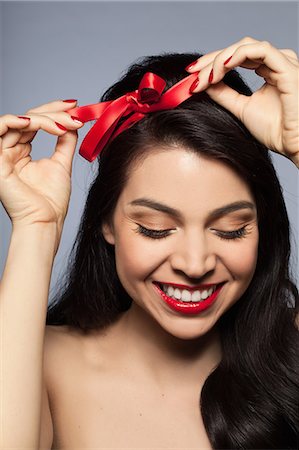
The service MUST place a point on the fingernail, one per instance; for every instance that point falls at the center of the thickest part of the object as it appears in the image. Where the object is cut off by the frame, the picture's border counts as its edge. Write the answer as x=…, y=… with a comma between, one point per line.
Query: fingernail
x=75, y=119
x=211, y=76
x=23, y=117
x=190, y=66
x=70, y=101
x=61, y=126
x=194, y=85
x=228, y=59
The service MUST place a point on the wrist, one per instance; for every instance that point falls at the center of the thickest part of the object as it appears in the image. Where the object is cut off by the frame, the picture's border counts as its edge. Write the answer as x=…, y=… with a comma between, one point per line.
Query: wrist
x=46, y=237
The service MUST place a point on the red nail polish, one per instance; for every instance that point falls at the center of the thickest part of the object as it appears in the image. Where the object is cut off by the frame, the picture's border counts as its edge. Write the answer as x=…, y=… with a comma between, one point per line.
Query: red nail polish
x=61, y=126
x=228, y=59
x=194, y=85
x=76, y=118
x=69, y=101
x=211, y=76
x=22, y=117
x=190, y=66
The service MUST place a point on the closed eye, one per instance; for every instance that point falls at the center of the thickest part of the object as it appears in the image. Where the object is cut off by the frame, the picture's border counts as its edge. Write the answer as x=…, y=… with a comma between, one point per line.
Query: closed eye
x=153, y=234
x=235, y=234
x=160, y=234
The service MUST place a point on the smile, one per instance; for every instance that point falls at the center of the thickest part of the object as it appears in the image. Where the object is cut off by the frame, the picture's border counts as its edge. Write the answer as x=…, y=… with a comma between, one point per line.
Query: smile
x=188, y=294
x=185, y=295
x=186, y=301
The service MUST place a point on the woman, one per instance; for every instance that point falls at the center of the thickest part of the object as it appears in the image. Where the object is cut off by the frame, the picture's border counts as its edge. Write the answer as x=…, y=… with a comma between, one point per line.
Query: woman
x=174, y=327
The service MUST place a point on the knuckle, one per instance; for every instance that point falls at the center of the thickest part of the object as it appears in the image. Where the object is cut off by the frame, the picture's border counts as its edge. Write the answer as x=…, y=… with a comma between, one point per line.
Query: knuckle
x=291, y=53
x=248, y=40
x=266, y=44
x=6, y=117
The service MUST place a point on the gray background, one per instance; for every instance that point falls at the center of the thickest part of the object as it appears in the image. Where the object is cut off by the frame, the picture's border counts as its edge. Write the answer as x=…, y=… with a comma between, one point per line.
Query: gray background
x=60, y=50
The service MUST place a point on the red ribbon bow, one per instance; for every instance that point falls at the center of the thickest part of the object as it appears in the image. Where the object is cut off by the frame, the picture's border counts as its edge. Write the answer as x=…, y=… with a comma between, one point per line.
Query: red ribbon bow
x=146, y=99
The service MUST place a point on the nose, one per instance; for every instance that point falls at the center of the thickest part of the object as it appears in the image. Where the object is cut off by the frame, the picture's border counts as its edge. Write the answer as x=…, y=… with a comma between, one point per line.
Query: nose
x=193, y=256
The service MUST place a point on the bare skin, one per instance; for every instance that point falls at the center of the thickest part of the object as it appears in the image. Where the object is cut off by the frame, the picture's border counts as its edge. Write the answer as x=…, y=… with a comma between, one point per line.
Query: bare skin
x=100, y=399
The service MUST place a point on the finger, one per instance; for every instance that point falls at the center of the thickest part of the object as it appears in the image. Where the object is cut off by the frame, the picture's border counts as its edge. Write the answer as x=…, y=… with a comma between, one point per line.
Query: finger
x=227, y=52
x=39, y=122
x=56, y=105
x=16, y=153
x=262, y=53
x=269, y=76
x=252, y=64
x=206, y=59
x=8, y=121
x=64, y=118
x=27, y=137
x=228, y=98
x=65, y=150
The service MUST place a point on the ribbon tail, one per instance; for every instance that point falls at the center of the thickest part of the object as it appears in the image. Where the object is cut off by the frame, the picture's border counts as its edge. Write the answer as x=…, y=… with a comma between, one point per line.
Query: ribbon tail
x=89, y=112
x=102, y=130
x=129, y=123
x=95, y=140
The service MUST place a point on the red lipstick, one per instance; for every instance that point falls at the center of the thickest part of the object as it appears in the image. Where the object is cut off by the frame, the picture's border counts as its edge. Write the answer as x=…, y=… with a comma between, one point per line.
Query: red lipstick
x=188, y=307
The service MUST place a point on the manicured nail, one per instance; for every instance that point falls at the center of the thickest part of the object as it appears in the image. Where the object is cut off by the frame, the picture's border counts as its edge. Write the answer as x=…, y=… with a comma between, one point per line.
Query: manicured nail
x=228, y=59
x=211, y=76
x=190, y=66
x=23, y=117
x=61, y=126
x=194, y=85
x=75, y=119
x=70, y=101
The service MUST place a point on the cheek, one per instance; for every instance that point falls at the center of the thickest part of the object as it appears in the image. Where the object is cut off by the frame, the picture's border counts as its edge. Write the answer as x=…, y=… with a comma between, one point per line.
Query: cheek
x=241, y=260
x=136, y=257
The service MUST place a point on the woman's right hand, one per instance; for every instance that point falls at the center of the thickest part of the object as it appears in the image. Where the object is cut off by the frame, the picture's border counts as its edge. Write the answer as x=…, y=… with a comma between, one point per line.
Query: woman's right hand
x=37, y=192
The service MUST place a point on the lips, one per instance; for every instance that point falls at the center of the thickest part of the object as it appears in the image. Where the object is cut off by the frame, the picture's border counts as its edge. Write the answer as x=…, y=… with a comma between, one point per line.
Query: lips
x=189, y=307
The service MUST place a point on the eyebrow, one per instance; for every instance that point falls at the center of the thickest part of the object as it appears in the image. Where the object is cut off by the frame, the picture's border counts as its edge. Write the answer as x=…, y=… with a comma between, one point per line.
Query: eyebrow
x=214, y=214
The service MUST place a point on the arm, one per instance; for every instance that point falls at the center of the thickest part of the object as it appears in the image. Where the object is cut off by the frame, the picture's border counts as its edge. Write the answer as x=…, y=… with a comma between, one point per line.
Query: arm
x=35, y=195
x=23, y=306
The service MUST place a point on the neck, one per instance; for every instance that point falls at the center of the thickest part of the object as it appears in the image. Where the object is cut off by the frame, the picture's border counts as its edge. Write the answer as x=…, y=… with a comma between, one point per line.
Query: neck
x=162, y=356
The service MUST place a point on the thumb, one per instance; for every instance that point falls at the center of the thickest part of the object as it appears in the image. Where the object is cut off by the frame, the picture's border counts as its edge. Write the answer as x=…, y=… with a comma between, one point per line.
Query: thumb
x=228, y=98
x=65, y=149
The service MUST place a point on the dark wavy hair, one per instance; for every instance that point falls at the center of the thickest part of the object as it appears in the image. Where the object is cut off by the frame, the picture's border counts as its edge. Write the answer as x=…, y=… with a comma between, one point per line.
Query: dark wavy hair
x=250, y=400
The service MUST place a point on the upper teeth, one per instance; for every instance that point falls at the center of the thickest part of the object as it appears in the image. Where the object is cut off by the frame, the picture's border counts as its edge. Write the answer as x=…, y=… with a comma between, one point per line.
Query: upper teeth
x=186, y=296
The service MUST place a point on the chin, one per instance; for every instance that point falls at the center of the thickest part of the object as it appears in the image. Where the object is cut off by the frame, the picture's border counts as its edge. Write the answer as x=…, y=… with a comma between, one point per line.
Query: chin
x=188, y=331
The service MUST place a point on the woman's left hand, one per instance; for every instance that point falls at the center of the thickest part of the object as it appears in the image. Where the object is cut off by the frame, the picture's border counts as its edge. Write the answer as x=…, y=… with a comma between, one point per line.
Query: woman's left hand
x=271, y=112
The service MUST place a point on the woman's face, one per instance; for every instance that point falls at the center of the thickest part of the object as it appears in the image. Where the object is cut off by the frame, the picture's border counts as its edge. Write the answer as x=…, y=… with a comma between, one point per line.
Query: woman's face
x=180, y=191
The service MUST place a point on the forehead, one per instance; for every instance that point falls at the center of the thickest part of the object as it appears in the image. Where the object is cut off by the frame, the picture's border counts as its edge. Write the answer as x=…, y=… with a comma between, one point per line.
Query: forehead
x=185, y=180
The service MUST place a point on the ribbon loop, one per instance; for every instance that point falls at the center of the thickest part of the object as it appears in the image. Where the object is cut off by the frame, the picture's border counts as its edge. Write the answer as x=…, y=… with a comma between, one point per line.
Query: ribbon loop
x=147, y=98
x=150, y=88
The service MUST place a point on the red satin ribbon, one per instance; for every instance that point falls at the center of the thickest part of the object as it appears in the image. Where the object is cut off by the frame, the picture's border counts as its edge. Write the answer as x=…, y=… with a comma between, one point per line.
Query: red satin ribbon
x=146, y=99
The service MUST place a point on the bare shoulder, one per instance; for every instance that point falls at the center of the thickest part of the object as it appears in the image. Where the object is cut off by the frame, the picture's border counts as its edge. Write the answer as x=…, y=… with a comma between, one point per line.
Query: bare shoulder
x=52, y=338
x=58, y=344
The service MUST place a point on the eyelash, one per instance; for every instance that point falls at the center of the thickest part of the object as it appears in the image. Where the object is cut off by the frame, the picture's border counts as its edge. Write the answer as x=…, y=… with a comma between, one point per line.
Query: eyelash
x=160, y=234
